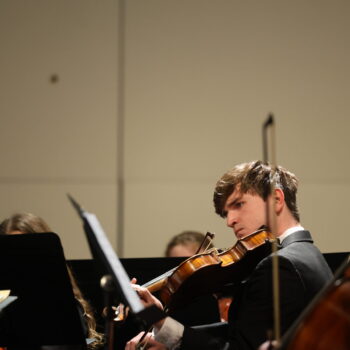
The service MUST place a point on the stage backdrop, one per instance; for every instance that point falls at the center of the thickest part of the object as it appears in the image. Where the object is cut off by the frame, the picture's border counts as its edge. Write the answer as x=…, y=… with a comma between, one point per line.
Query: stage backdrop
x=136, y=108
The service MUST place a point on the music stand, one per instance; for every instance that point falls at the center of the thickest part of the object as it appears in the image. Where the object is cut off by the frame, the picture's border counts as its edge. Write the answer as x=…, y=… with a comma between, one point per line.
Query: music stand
x=104, y=254
x=33, y=267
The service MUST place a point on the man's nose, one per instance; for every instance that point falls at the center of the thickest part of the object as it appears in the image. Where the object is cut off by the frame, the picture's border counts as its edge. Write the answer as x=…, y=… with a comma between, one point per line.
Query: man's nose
x=230, y=219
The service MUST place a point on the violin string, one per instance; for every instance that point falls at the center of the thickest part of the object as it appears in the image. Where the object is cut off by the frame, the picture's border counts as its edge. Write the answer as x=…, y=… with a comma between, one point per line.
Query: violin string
x=207, y=247
x=208, y=237
x=164, y=275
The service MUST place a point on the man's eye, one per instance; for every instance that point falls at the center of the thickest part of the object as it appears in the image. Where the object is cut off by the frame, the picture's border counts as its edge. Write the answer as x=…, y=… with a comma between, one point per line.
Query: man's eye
x=239, y=204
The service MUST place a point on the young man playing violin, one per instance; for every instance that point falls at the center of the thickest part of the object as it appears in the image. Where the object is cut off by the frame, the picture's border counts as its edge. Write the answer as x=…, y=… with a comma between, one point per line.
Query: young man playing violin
x=241, y=197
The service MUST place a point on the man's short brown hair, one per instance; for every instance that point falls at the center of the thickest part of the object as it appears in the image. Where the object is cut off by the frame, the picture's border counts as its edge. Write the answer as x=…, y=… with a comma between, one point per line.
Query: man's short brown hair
x=255, y=177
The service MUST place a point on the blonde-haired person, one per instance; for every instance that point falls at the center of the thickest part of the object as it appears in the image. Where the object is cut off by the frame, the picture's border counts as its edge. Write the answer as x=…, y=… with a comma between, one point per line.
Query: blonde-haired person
x=185, y=243
x=22, y=223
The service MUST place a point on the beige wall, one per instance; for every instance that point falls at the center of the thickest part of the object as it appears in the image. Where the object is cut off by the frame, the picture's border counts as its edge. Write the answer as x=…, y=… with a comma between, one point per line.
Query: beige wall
x=59, y=137
x=200, y=78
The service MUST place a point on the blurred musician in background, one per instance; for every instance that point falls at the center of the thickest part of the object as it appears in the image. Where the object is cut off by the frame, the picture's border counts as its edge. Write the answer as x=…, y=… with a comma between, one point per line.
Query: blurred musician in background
x=185, y=244
x=22, y=223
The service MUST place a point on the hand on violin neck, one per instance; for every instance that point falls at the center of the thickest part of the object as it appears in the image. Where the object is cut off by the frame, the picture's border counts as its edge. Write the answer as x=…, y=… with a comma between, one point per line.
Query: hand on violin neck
x=144, y=341
x=147, y=299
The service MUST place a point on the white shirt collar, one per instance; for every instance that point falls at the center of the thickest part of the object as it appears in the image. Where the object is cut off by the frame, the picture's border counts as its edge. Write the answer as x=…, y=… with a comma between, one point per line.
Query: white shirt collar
x=289, y=231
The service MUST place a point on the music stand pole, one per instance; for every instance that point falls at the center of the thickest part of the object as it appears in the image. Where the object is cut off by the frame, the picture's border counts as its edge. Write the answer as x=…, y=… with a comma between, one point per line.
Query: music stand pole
x=109, y=289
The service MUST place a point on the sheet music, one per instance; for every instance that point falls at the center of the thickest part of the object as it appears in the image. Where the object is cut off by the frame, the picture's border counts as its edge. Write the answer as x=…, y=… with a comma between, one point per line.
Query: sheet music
x=118, y=269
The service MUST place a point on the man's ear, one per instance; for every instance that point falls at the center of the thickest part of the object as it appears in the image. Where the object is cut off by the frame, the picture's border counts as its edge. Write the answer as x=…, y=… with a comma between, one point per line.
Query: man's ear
x=279, y=200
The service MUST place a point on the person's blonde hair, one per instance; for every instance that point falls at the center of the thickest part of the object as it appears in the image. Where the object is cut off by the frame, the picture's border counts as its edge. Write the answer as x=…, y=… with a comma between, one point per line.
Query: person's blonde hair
x=25, y=223
x=30, y=223
x=186, y=238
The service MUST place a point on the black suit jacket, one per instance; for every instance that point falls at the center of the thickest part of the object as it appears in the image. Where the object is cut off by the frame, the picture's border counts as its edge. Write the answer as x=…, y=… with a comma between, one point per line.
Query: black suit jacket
x=303, y=272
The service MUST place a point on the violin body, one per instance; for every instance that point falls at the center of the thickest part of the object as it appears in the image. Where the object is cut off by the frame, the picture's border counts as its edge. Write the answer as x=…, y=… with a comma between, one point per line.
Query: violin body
x=209, y=272
x=325, y=324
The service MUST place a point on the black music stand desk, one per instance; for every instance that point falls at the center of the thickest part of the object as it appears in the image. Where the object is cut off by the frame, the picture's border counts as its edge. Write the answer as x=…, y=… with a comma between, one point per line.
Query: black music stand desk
x=33, y=267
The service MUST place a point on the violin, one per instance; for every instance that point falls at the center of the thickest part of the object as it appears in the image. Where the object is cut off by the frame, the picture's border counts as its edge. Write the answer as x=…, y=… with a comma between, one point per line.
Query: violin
x=190, y=279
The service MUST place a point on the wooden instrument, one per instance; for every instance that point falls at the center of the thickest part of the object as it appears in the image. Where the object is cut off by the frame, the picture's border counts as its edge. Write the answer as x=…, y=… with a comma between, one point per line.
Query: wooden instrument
x=208, y=272
x=325, y=324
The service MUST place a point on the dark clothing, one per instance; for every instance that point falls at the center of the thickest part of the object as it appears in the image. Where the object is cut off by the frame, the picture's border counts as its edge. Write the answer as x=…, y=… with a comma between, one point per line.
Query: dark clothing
x=302, y=271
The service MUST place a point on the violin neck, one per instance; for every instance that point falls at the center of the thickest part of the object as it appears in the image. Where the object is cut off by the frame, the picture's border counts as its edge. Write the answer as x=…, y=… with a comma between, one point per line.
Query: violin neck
x=154, y=287
x=158, y=282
